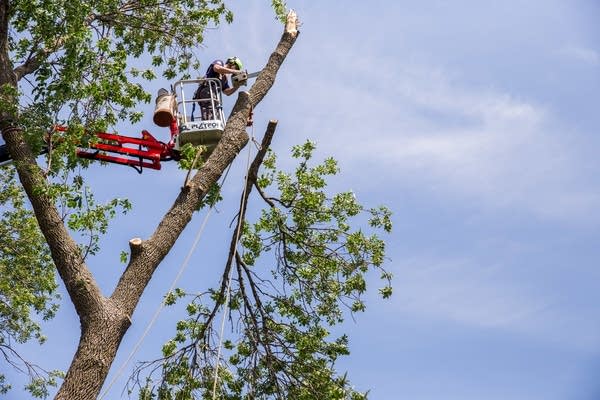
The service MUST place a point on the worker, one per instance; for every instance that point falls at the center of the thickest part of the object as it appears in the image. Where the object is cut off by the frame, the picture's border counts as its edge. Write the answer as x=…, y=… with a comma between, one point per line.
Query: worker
x=219, y=70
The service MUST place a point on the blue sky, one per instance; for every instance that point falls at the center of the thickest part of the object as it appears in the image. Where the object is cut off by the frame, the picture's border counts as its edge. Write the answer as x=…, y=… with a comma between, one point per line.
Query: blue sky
x=476, y=123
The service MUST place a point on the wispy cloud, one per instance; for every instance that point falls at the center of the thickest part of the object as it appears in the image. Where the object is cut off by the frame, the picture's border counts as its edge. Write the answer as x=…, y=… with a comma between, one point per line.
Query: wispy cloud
x=582, y=54
x=483, y=143
x=417, y=124
x=487, y=297
x=460, y=291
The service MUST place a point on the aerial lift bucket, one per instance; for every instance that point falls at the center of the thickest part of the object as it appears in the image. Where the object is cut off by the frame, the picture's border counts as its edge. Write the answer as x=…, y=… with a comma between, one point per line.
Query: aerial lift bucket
x=207, y=127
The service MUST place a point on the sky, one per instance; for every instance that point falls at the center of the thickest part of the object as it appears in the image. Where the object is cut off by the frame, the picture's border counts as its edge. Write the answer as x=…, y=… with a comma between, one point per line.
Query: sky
x=475, y=123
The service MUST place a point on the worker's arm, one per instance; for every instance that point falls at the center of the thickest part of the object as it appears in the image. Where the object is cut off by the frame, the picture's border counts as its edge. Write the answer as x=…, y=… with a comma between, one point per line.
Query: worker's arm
x=230, y=90
x=221, y=69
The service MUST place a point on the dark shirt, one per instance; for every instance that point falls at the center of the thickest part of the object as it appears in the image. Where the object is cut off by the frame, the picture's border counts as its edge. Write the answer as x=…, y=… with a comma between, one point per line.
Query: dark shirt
x=210, y=73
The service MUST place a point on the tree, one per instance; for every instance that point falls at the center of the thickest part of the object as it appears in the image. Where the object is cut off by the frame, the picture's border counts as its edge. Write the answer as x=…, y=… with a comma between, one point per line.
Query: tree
x=74, y=56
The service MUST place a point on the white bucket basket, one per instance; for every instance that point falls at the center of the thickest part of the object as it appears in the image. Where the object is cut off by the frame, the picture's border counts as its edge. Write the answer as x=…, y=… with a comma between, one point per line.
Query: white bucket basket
x=205, y=133
x=201, y=120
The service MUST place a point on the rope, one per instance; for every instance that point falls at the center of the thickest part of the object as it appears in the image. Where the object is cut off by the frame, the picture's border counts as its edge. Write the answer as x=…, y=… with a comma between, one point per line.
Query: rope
x=162, y=304
x=187, y=177
x=228, y=290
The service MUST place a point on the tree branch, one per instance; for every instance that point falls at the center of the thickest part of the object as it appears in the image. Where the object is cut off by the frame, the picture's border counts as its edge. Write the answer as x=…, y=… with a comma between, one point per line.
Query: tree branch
x=31, y=64
x=152, y=251
x=252, y=174
x=36, y=57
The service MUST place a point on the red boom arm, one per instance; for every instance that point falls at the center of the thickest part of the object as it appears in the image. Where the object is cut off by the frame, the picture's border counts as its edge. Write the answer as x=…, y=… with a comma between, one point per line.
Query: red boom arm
x=136, y=152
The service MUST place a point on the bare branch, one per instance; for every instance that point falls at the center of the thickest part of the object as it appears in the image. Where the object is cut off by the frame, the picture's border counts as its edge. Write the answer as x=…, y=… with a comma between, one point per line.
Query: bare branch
x=36, y=57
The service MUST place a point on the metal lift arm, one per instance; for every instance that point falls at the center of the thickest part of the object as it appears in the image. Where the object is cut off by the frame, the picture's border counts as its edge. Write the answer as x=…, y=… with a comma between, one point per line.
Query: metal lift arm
x=139, y=153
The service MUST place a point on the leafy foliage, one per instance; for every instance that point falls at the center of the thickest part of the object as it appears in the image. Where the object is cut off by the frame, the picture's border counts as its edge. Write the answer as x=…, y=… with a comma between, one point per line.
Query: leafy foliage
x=81, y=51
x=280, y=8
x=76, y=57
x=27, y=284
x=88, y=217
x=300, y=266
x=191, y=156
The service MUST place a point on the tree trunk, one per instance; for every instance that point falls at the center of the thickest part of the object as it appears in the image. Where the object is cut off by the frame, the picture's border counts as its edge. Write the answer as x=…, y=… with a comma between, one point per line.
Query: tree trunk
x=101, y=336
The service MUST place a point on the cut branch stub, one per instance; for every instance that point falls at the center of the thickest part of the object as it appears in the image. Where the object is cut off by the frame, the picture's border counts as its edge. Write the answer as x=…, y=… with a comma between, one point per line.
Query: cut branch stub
x=135, y=245
x=291, y=25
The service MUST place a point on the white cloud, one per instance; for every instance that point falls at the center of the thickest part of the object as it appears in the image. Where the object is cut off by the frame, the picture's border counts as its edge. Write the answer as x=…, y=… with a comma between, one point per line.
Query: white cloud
x=582, y=54
x=426, y=129
x=489, y=297
x=417, y=124
x=463, y=292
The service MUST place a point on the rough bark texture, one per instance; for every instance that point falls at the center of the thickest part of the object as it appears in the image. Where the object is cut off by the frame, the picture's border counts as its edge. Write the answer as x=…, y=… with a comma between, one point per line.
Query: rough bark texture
x=104, y=320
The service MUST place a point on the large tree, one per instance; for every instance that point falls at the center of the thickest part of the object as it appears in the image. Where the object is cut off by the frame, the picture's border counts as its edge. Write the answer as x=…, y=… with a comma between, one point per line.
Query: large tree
x=70, y=61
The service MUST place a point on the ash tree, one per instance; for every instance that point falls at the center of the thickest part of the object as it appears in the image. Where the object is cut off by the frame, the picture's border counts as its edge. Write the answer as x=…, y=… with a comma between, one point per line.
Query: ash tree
x=290, y=272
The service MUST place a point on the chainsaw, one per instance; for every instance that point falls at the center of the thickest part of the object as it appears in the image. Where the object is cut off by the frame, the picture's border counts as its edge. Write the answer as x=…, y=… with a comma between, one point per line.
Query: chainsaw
x=241, y=78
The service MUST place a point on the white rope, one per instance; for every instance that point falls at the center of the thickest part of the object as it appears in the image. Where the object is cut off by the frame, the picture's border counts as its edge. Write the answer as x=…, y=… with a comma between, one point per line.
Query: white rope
x=228, y=288
x=221, y=333
x=162, y=304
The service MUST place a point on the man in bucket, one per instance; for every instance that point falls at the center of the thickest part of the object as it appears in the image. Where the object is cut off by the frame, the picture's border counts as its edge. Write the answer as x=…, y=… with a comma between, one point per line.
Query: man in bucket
x=219, y=70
